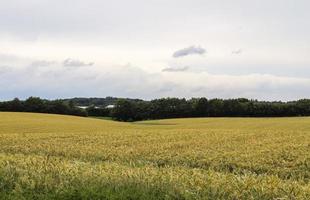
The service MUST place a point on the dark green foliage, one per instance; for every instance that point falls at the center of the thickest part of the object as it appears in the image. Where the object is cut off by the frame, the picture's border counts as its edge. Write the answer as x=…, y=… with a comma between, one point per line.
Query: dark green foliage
x=170, y=108
x=35, y=104
x=124, y=110
x=200, y=107
x=98, y=111
x=135, y=109
x=127, y=110
x=97, y=102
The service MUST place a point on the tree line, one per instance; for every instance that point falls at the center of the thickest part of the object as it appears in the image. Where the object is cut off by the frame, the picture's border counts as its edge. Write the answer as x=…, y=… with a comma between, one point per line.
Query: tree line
x=96, y=101
x=135, y=109
x=164, y=108
x=37, y=105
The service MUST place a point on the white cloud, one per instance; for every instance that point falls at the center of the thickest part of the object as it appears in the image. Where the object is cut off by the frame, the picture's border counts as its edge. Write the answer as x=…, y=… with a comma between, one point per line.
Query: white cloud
x=42, y=63
x=112, y=35
x=261, y=86
x=76, y=63
x=131, y=81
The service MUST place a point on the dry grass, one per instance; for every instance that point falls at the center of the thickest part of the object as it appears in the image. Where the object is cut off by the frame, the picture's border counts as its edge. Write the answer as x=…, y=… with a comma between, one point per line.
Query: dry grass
x=62, y=157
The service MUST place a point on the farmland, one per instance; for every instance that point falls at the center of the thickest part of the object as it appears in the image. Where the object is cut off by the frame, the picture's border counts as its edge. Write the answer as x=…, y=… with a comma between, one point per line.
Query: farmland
x=46, y=156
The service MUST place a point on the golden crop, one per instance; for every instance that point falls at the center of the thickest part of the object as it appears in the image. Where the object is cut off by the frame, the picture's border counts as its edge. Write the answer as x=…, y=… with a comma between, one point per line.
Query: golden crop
x=46, y=156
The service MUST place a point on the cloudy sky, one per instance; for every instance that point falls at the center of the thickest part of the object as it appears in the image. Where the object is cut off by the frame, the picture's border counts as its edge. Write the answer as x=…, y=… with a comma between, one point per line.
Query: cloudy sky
x=155, y=48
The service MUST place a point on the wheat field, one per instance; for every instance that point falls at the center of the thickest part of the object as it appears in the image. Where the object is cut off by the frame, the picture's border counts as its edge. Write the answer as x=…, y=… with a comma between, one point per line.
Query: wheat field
x=46, y=156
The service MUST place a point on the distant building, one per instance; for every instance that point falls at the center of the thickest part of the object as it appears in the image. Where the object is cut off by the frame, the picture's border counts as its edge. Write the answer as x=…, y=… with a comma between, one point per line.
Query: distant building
x=110, y=106
x=83, y=107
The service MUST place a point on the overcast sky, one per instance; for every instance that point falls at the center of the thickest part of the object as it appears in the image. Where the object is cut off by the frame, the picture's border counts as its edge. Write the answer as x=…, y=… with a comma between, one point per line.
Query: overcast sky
x=155, y=48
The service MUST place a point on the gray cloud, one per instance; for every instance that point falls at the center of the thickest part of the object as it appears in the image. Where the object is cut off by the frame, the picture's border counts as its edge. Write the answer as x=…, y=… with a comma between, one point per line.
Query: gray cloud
x=76, y=63
x=175, y=69
x=192, y=50
x=42, y=63
x=237, y=52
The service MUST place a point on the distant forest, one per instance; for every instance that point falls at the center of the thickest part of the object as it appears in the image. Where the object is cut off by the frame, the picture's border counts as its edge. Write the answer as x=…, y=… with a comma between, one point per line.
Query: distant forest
x=122, y=109
x=98, y=102
x=38, y=105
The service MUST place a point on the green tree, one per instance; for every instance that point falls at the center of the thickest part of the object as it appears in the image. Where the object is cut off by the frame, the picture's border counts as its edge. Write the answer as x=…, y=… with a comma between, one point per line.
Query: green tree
x=123, y=110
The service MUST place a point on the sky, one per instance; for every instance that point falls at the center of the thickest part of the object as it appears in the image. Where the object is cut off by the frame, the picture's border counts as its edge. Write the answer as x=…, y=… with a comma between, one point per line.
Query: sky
x=258, y=49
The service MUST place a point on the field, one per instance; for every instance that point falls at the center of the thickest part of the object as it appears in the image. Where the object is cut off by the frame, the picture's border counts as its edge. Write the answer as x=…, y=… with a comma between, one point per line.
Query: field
x=62, y=157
